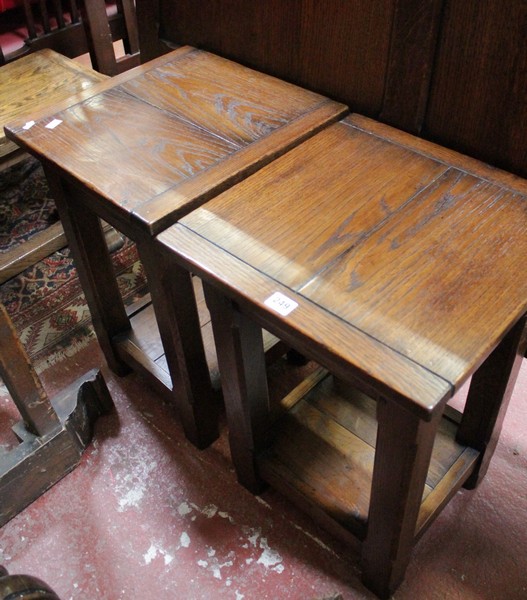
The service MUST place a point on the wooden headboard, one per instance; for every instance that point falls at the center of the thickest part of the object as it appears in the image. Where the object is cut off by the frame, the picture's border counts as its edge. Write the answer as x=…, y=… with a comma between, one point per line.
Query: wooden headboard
x=453, y=71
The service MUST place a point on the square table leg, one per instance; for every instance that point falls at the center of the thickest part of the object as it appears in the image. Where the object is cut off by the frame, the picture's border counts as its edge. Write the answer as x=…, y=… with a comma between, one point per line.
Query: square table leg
x=94, y=266
x=488, y=398
x=174, y=302
x=241, y=360
x=402, y=457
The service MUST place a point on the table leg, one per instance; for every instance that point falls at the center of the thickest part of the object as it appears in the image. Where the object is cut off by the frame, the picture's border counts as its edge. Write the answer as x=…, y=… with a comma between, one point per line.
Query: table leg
x=176, y=313
x=94, y=266
x=488, y=397
x=241, y=360
x=402, y=457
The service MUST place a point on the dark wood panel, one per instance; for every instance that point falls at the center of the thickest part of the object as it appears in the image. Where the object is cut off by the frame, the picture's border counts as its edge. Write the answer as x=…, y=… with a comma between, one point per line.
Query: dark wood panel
x=412, y=50
x=338, y=47
x=148, y=28
x=478, y=99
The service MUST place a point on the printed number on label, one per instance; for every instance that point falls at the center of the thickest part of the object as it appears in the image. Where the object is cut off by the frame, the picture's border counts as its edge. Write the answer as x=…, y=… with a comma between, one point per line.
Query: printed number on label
x=281, y=304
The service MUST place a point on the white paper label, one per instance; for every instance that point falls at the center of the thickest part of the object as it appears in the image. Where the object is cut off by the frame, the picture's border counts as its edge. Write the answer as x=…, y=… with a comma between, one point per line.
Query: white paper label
x=281, y=304
x=53, y=124
x=28, y=125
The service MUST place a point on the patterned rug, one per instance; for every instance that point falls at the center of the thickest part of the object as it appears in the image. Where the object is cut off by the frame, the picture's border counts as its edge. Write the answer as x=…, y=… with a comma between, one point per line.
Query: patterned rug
x=46, y=302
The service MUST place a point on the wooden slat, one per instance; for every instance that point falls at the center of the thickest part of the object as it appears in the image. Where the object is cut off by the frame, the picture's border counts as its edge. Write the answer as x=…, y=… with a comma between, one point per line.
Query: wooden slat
x=142, y=344
x=42, y=245
x=28, y=253
x=320, y=451
x=453, y=479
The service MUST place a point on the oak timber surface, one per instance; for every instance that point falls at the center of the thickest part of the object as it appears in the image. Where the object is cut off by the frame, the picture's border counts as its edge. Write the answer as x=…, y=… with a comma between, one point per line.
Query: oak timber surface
x=404, y=380
x=426, y=259
x=324, y=452
x=166, y=124
x=42, y=78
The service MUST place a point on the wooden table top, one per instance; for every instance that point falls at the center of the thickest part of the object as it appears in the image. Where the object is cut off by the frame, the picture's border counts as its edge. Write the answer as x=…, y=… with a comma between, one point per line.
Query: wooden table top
x=40, y=79
x=407, y=260
x=164, y=137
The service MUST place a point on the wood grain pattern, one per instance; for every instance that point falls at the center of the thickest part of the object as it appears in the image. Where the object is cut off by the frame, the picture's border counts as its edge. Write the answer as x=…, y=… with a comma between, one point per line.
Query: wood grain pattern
x=449, y=70
x=28, y=85
x=346, y=207
x=241, y=107
x=43, y=78
x=478, y=97
x=112, y=158
x=375, y=369
x=192, y=112
x=346, y=185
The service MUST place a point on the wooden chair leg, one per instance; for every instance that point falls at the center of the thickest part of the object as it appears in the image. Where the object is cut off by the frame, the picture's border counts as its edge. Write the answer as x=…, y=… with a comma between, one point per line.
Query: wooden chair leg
x=53, y=434
x=488, y=398
x=239, y=347
x=402, y=457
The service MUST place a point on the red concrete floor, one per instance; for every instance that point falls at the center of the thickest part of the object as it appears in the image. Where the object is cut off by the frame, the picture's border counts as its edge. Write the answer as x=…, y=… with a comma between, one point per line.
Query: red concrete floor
x=147, y=516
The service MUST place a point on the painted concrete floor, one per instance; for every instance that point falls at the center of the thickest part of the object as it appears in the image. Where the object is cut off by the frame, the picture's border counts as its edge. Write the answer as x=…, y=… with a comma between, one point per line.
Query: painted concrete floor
x=147, y=516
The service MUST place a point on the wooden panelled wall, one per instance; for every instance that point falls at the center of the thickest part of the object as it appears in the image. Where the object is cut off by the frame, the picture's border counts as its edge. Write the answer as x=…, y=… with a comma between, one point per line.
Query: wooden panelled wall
x=453, y=71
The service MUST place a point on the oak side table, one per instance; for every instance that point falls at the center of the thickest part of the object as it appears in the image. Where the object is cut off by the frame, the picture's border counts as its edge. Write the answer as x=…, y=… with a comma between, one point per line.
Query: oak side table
x=399, y=267
x=155, y=143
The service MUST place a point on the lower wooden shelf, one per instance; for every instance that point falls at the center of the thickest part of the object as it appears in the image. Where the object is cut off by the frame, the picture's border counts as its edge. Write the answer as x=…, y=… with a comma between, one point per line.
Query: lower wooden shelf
x=141, y=348
x=323, y=454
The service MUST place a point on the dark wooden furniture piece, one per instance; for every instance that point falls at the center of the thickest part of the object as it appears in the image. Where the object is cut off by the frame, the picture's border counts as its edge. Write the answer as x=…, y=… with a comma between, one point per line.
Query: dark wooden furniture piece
x=399, y=267
x=72, y=28
x=53, y=433
x=24, y=587
x=453, y=71
x=105, y=25
x=27, y=86
x=155, y=143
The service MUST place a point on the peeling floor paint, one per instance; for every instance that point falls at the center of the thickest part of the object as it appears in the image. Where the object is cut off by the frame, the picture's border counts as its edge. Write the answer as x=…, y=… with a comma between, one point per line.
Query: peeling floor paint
x=146, y=515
